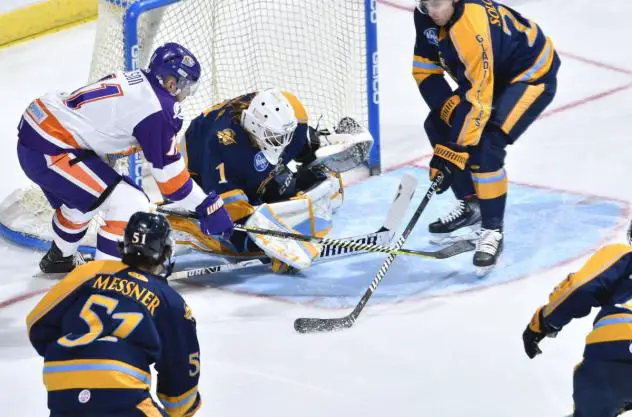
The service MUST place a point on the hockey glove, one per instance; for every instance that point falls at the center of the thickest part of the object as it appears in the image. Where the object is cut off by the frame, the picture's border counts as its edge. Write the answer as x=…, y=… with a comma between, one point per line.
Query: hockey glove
x=535, y=332
x=447, y=159
x=214, y=219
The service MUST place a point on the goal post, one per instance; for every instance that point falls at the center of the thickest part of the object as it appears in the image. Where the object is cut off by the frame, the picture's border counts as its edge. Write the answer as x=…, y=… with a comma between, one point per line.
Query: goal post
x=324, y=51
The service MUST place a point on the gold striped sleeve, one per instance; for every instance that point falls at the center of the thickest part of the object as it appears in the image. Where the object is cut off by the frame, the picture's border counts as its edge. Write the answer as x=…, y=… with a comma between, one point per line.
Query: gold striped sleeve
x=424, y=68
x=471, y=37
x=598, y=263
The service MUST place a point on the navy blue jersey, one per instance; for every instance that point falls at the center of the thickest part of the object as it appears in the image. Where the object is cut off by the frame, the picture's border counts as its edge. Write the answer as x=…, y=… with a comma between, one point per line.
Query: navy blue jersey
x=222, y=157
x=100, y=329
x=604, y=281
x=485, y=47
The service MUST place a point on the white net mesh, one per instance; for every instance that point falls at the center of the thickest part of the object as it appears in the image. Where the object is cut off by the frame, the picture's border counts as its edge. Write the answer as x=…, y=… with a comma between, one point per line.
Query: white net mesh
x=314, y=48
x=27, y=211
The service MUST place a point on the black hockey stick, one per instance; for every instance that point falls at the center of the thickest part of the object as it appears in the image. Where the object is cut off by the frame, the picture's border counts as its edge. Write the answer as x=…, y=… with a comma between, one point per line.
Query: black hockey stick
x=311, y=325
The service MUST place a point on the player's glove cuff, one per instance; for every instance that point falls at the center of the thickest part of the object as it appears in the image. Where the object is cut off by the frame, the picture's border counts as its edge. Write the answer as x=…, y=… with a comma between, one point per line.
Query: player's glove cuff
x=447, y=109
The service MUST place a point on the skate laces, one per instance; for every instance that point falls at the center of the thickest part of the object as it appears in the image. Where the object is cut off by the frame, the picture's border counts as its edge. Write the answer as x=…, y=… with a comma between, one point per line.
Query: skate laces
x=455, y=213
x=489, y=241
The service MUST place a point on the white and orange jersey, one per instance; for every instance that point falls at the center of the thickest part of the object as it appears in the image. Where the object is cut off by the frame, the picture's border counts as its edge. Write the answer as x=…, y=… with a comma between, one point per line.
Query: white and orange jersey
x=118, y=114
x=102, y=116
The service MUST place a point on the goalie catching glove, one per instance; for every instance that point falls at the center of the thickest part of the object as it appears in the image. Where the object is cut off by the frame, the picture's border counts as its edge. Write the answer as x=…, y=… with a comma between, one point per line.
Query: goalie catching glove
x=447, y=159
x=342, y=148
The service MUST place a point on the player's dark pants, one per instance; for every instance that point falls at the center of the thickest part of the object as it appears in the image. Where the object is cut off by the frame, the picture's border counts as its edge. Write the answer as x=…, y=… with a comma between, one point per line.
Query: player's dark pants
x=515, y=109
x=602, y=388
x=147, y=408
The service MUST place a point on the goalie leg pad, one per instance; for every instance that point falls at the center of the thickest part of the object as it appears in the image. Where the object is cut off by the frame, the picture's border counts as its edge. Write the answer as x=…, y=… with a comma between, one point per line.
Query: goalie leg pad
x=187, y=232
x=314, y=215
x=296, y=254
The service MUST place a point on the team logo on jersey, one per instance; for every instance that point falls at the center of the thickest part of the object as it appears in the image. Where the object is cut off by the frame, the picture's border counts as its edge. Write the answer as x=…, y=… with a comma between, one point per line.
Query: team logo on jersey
x=84, y=396
x=261, y=163
x=177, y=111
x=226, y=137
x=36, y=112
x=188, y=313
x=431, y=35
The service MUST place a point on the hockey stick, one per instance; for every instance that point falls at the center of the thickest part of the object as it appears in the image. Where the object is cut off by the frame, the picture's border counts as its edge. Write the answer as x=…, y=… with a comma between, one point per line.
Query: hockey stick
x=447, y=252
x=358, y=246
x=225, y=267
x=310, y=325
x=453, y=250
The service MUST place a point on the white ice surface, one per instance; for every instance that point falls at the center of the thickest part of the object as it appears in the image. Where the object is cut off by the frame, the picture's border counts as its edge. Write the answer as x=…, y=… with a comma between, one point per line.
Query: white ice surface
x=451, y=356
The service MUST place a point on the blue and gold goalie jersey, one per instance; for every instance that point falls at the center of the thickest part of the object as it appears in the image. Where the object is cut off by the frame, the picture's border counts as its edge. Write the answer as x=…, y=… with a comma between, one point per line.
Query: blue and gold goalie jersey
x=100, y=329
x=485, y=47
x=221, y=157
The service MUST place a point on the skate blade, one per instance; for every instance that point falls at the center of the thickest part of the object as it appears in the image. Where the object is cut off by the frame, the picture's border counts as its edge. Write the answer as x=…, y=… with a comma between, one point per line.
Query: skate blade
x=483, y=271
x=466, y=233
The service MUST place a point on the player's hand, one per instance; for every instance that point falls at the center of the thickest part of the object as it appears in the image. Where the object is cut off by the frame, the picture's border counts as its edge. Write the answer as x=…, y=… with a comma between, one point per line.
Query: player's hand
x=214, y=219
x=534, y=333
x=447, y=158
x=531, y=340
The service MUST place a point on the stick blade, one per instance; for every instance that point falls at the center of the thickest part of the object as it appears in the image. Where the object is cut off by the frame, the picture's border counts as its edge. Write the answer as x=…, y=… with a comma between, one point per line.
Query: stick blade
x=315, y=325
x=457, y=248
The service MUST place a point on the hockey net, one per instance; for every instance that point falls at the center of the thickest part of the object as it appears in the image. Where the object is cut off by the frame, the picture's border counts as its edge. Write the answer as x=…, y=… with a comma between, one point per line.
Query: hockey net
x=316, y=49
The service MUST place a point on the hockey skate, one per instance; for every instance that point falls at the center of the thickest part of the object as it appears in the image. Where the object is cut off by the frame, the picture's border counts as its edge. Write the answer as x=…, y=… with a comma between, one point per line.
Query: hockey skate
x=462, y=223
x=55, y=263
x=488, y=250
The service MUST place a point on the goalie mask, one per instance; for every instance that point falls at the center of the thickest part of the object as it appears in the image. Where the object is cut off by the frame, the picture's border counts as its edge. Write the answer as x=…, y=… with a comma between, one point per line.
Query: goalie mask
x=271, y=121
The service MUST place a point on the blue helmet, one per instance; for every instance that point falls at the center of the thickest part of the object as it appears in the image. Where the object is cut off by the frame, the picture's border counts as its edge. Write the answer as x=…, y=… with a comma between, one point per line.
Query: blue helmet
x=172, y=59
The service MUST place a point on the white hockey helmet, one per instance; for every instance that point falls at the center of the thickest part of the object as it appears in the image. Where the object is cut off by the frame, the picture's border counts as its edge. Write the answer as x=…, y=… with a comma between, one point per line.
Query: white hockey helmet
x=271, y=120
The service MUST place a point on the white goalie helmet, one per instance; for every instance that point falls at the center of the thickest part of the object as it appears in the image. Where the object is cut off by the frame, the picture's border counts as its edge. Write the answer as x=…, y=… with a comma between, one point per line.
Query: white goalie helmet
x=271, y=121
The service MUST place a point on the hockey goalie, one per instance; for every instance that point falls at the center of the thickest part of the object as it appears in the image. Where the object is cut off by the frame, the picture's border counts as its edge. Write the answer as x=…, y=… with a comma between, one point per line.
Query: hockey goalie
x=270, y=169
x=273, y=171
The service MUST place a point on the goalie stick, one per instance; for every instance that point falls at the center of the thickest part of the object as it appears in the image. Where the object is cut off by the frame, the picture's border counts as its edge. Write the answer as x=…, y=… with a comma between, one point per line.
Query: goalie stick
x=310, y=325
